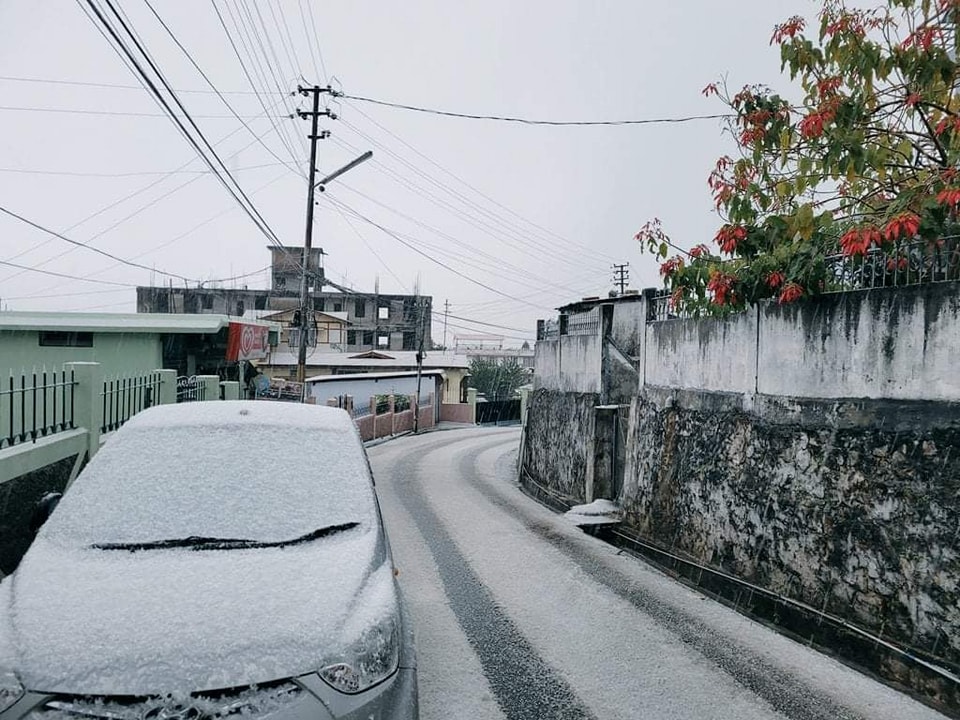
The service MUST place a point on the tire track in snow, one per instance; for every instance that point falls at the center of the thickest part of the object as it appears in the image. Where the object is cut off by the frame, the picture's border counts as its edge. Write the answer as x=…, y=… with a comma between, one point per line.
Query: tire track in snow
x=526, y=687
x=783, y=692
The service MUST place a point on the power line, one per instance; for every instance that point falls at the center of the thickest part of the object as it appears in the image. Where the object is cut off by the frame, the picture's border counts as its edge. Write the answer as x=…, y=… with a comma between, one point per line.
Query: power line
x=432, y=259
x=140, y=173
x=117, y=258
x=112, y=113
x=243, y=66
x=63, y=275
x=206, y=77
x=528, y=121
x=112, y=86
x=234, y=189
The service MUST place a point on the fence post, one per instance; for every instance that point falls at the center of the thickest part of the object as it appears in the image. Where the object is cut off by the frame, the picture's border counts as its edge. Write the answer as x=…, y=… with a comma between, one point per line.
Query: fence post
x=168, y=387
x=210, y=385
x=392, y=409
x=472, y=400
x=231, y=389
x=88, y=401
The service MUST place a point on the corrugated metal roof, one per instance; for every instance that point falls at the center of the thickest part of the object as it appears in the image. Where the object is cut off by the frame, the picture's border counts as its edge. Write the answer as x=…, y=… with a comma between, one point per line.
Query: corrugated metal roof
x=161, y=323
x=398, y=359
x=374, y=376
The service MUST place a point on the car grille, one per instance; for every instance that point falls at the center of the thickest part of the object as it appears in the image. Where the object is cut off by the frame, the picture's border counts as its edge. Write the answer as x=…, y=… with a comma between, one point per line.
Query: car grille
x=250, y=702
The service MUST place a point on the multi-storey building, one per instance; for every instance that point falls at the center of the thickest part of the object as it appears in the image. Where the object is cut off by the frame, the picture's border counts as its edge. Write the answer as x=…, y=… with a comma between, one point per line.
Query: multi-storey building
x=373, y=320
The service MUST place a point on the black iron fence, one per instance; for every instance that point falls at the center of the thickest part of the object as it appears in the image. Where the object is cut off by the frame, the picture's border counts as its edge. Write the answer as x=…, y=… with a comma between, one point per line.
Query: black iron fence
x=917, y=262
x=36, y=405
x=190, y=389
x=125, y=397
x=498, y=412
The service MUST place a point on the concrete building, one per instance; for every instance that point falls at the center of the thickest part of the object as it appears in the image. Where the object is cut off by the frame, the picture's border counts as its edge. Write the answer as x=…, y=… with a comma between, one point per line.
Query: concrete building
x=372, y=320
x=455, y=368
x=124, y=344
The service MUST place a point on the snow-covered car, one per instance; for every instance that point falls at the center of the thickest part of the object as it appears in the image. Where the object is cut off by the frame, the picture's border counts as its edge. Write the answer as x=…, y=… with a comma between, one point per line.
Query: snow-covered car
x=214, y=559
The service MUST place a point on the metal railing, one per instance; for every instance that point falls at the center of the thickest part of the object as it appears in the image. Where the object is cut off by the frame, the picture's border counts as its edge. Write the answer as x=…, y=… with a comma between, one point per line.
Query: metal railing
x=190, y=389
x=586, y=323
x=125, y=397
x=917, y=262
x=660, y=308
x=41, y=404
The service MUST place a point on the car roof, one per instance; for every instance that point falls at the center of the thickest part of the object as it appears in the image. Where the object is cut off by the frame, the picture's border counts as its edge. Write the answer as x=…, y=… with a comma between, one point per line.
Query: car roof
x=243, y=413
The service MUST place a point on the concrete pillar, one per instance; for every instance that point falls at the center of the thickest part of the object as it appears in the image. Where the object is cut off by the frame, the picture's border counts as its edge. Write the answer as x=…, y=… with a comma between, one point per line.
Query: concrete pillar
x=392, y=409
x=231, y=389
x=348, y=404
x=472, y=401
x=332, y=402
x=210, y=385
x=168, y=387
x=88, y=401
x=524, y=401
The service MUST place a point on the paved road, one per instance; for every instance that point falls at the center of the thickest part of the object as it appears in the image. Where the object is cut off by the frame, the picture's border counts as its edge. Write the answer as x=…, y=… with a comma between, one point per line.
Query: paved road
x=520, y=615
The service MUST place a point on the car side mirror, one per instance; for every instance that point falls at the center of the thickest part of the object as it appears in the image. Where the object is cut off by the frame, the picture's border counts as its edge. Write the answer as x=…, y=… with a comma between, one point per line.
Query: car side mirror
x=43, y=510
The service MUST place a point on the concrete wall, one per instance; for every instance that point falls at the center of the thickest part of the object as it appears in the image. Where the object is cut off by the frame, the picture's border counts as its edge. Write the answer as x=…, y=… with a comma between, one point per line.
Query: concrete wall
x=118, y=353
x=708, y=354
x=873, y=343
x=849, y=509
x=570, y=364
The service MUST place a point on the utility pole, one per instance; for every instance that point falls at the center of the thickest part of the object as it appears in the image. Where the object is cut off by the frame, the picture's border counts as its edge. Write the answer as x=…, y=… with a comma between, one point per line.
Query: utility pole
x=306, y=312
x=420, y=355
x=446, y=311
x=621, y=276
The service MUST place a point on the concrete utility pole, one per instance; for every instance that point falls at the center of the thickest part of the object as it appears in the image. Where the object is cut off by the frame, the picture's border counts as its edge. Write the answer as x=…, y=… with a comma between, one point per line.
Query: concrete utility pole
x=306, y=312
x=420, y=356
x=446, y=311
x=621, y=276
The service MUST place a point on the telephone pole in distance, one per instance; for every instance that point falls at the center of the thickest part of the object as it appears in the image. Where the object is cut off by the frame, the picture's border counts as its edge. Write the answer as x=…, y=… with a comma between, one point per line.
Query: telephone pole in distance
x=621, y=276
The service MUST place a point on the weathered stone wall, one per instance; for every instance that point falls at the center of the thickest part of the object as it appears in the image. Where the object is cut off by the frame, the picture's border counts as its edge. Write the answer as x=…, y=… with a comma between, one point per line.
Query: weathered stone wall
x=852, y=507
x=558, y=442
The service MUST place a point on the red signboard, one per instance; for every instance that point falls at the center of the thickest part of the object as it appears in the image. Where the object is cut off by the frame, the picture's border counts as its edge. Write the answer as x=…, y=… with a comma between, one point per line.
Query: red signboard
x=247, y=342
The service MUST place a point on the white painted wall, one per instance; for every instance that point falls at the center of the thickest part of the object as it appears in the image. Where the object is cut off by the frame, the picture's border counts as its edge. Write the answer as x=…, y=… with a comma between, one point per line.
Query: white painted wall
x=363, y=389
x=569, y=364
x=718, y=355
x=898, y=344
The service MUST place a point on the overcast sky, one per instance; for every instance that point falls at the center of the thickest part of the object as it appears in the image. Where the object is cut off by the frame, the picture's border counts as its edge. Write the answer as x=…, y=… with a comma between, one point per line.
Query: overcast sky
x=525, y=218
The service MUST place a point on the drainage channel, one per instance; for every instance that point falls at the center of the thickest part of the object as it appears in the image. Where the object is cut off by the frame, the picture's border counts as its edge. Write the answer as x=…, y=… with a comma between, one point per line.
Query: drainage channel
x=906, y=670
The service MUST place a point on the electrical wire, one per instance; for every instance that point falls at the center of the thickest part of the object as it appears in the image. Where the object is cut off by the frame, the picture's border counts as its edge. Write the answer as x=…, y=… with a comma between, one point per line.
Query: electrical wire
x=432, y=259
x=310, y=45
x=109, y=113
x=142, y=173
x=232, y=186
x=528, y=121
x=111, y=86
x=554, y=237
x=209, y=82
x=284, y=141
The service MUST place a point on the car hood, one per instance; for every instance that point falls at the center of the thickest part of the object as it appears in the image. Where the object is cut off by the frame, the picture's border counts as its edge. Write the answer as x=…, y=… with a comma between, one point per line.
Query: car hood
x=112, y=622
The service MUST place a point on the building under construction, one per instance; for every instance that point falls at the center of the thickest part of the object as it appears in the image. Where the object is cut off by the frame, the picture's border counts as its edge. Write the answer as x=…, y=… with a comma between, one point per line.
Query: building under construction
x=373, y=320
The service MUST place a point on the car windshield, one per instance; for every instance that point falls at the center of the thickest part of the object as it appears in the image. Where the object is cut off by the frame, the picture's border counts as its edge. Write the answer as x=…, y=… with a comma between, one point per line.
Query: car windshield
x=255, y=483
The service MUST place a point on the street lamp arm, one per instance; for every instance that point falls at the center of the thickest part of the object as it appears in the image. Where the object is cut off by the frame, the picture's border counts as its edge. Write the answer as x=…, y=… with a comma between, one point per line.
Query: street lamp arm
x=349, y=166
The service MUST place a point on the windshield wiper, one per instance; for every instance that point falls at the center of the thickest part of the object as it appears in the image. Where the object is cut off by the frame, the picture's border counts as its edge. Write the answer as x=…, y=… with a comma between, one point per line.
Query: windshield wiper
x=197, y=542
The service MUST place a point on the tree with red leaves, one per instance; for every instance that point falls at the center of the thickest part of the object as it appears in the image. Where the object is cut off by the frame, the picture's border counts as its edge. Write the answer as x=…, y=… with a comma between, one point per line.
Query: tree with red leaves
x=865, y=162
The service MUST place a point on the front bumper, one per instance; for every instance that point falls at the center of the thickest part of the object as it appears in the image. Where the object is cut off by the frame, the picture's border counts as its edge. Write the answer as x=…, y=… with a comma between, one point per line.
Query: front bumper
x=393, y=699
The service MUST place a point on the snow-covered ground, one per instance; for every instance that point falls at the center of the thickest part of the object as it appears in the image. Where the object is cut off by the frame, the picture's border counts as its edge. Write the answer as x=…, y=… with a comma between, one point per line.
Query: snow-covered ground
x=520, y=614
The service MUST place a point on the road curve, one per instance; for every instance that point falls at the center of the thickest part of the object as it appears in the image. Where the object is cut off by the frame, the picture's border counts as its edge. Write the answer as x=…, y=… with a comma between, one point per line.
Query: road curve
x=520, y=615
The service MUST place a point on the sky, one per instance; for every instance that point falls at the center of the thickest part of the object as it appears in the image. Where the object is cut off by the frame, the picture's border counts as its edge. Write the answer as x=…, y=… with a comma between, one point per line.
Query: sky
x=505, y=221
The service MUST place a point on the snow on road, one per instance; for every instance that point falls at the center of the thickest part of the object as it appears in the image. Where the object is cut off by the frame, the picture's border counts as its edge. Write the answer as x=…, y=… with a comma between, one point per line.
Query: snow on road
x=521, y=615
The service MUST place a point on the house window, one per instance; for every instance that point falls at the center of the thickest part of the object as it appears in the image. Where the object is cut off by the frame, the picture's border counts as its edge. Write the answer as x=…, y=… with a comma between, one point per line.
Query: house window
x=383, y=312
x=359, y=309
x=368, y=337
x=409, y=341
x=383, y=341
x=56, y=338
x=318, y=304
x=206, y=301
x=260, y=302
x=338, y=307
x=240, y=307
x=351, y=337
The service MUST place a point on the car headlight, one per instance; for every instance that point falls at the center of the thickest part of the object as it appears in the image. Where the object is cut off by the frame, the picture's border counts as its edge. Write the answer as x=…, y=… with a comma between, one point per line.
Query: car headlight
x=370, y=660
x=10, y=690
